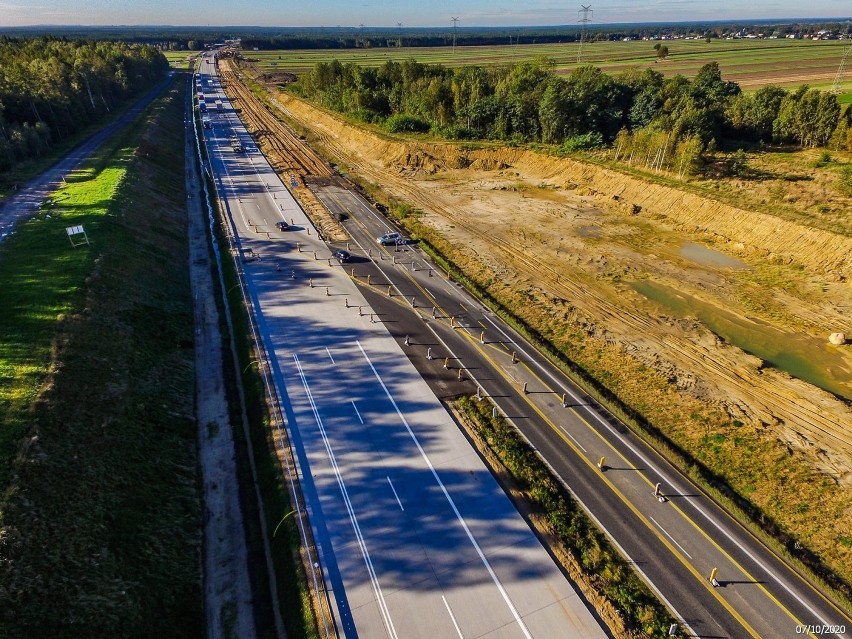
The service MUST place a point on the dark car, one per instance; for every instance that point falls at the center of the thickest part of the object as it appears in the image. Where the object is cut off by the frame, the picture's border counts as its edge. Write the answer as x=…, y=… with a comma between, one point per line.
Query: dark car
x=342, y=256
x=282, y=226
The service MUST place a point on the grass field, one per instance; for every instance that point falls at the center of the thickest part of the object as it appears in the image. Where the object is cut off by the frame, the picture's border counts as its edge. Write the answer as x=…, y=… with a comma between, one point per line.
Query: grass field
x=179, y=59
x=100, y=516
x=751, y=63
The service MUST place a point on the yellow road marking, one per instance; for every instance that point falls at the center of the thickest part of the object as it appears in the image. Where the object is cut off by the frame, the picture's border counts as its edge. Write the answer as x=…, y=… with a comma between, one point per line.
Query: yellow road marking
x=563, y=437
x=701, y=578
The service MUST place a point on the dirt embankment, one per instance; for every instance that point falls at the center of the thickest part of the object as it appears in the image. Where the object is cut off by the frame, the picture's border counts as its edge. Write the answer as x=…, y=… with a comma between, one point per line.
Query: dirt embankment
x=599, y=257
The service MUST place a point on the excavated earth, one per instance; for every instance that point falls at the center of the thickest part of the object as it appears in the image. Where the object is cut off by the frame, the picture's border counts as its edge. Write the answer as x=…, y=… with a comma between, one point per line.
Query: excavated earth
x=613, y=256
x=583, y=231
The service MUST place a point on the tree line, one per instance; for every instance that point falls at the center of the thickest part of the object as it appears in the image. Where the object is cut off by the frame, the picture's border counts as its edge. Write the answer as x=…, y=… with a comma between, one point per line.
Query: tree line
x=51, y=88
x=528, y=102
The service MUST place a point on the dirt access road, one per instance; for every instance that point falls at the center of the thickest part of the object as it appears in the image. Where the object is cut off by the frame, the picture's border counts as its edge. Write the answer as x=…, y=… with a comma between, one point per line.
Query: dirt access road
x=629, y=277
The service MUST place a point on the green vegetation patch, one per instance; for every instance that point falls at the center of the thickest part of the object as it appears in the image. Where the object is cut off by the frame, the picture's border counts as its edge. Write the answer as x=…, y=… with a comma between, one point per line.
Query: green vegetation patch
x=100, y=514
x=752, y=63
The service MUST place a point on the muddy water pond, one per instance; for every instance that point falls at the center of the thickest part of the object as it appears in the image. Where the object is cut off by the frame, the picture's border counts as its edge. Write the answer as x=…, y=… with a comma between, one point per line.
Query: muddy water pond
x=710, y=257
x=808, y=358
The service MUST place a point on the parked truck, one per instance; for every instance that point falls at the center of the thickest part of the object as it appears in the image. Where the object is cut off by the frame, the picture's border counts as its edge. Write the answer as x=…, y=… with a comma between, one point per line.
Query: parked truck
x=219, y=105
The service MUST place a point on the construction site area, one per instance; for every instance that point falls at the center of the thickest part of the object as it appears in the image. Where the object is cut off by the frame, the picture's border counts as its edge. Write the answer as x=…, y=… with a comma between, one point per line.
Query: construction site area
x=709, y=316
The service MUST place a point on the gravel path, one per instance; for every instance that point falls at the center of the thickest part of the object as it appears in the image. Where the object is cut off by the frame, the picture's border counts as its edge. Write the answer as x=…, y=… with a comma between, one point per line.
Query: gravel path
x=227, y=587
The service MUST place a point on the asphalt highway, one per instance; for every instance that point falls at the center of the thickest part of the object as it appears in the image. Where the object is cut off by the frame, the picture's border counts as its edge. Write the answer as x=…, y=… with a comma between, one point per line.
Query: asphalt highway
x=677, y=542
x=416, y=538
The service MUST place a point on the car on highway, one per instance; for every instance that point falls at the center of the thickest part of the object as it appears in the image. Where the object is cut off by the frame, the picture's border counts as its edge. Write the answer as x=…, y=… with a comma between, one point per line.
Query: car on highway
x=342, y=256
x=282, y=226
x=389, y=238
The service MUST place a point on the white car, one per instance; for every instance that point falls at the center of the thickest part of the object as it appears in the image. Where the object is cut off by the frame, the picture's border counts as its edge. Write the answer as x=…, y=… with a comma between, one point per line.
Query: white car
x=389, y=238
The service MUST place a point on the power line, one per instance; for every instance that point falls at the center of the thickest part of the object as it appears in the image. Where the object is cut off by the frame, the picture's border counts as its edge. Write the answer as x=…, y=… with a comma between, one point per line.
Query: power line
x=841, y=72
x=455, y=26
x=585, y=10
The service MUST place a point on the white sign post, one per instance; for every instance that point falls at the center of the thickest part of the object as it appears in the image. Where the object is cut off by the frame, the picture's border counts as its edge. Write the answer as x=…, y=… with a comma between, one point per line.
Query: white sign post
x=74, y=233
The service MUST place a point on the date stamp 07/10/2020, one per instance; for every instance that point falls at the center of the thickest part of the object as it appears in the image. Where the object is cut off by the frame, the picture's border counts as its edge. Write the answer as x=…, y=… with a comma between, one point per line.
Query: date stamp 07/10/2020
x=820, y=630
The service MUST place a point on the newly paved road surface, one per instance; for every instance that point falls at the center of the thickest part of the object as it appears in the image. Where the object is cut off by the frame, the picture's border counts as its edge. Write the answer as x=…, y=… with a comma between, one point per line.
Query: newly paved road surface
x=675, y=543
x=416, y=537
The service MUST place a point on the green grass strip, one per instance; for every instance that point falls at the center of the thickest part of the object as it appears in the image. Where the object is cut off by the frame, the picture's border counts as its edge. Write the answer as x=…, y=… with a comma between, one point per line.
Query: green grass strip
x=100, y=516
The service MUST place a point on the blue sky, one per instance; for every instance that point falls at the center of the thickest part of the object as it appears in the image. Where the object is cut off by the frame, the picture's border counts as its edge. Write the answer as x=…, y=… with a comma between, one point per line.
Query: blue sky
x=389, y=12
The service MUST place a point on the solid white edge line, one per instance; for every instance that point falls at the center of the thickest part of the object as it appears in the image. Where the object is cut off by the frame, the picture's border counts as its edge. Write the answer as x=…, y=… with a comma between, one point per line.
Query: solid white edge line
x=330, y=357
x=758, y=565
x=449, y=499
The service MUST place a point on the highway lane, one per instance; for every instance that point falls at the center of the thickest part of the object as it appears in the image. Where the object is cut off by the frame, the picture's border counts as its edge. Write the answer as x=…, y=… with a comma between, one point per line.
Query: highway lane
x=416, y=537
x=676, y=542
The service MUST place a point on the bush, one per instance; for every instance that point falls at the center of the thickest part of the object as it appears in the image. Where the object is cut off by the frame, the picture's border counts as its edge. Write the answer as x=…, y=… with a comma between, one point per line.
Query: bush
x=824, y=159
x=402, y=123
x=608, y=573
x=458, y=133
x=846, y=180
x=738, y=164
x=586, y=141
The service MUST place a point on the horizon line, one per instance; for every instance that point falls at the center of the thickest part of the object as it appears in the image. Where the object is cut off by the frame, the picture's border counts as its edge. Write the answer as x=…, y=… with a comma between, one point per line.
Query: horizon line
x=395, y=28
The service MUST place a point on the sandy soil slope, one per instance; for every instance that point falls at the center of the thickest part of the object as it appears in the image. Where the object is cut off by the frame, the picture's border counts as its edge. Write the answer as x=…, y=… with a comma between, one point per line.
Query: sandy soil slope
x=637, y=280
x=581, y=233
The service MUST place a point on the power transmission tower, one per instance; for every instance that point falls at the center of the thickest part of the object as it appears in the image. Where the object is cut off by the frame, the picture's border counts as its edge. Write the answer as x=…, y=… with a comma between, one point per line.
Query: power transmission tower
x=361, y=28
x=841, y=72
x=455, y=26
x=399, y=35
x=585, y=10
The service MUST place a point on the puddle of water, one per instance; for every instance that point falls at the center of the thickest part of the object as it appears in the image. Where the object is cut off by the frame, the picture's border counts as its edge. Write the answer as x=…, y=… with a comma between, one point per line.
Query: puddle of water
x=808, y=358
x=710, y=257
